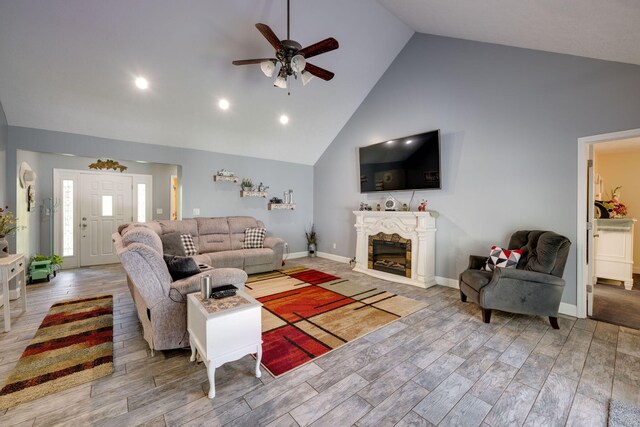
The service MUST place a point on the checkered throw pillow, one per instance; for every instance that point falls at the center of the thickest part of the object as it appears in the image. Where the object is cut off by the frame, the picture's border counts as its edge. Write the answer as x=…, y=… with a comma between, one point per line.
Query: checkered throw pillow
x=502, y=258
x=254, y=238
x=190, y=248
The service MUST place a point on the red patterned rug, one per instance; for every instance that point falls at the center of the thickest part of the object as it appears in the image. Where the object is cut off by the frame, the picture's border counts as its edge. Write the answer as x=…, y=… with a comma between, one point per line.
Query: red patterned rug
x=73, y=345
x=307, y=313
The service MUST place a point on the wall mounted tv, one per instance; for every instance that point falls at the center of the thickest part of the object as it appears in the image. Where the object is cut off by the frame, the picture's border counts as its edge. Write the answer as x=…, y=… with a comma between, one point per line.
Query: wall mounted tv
x=408, y=163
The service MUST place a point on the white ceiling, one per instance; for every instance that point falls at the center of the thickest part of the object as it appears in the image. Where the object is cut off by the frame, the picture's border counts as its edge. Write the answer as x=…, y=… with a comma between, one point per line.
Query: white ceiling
x=68, y=65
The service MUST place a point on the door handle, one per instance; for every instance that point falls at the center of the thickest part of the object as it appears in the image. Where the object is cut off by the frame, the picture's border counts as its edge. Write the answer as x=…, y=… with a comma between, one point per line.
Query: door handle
x=596, y=235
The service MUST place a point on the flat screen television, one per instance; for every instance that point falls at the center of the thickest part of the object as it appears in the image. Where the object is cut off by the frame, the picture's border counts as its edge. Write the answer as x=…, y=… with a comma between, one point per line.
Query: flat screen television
x=408, y=163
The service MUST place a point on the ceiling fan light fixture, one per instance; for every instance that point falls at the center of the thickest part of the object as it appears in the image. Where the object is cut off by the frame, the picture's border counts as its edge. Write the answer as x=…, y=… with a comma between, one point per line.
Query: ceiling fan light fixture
x=268, y=67
x=298, y=63
x=306, y=77
x=280, y=82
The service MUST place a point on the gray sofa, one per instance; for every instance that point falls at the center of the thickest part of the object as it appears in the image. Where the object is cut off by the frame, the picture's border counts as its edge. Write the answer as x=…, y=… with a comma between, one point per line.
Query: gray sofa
x=219, y=242
x=534, y=287
x=160, y=301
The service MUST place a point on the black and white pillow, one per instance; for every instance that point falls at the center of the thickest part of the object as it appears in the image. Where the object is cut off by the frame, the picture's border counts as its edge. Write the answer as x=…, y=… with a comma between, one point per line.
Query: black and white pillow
x=254, y=238
x=503, y=258
x=190, y=248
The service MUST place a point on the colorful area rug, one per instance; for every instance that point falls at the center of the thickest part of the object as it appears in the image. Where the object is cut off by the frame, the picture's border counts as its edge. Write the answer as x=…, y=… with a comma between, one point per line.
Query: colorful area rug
x=73, y=345
x=307, y=313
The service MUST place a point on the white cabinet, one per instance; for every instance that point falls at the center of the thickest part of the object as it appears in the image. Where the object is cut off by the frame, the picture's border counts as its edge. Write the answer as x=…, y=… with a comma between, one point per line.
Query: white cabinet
x=614, y=250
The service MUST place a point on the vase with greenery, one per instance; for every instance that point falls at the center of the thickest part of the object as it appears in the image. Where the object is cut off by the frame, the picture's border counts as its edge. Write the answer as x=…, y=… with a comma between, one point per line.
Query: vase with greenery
x=8, y=226
x=246, y=184
x=312, y=239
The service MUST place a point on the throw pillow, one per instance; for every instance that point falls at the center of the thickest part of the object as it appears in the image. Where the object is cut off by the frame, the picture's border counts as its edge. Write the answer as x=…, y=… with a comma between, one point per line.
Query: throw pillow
x=254, y=238
x=502, y=258
x=181, y=267
x=178, y=244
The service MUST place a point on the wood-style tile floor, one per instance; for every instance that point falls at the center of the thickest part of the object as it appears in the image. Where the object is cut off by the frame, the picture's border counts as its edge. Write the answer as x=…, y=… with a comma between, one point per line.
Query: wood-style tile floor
x=439, y=366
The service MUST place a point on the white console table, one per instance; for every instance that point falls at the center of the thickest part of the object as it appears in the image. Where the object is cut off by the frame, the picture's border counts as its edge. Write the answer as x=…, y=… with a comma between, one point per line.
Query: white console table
x=614, y=250
x=224, y=330
x=12, y=267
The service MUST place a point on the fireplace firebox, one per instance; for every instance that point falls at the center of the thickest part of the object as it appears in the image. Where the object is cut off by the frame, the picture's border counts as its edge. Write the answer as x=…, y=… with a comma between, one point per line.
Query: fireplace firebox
x=390, y=253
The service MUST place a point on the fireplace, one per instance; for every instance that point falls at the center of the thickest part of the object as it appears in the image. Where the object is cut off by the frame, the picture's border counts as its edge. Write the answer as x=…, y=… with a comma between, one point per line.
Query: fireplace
x=390, y=253
x=397, y=246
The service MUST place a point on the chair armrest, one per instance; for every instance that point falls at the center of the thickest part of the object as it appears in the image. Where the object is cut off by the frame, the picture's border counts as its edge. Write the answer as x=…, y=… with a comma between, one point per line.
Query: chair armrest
x=526, y=276
x=476, y=262
x=273, y=242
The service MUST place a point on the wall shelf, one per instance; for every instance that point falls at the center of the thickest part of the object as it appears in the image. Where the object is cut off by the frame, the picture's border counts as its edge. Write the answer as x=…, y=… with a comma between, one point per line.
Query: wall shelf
x=281, y=206
x=262, y=194
x=220, y=178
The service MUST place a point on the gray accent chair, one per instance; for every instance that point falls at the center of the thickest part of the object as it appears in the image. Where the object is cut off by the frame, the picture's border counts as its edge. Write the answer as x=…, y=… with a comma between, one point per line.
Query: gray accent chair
x=161, y=303
x=534, y=287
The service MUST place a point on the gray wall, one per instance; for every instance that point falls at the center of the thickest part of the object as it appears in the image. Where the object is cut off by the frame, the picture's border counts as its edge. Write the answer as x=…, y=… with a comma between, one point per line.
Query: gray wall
x=4, y=138
x=198, y=188
x=509, y=119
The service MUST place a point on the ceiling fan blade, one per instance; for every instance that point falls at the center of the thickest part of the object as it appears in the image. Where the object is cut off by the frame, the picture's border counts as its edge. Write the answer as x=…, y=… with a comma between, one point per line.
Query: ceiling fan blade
x=324, y=46
x=251, y=61
x=319, y=72
x=271, y=37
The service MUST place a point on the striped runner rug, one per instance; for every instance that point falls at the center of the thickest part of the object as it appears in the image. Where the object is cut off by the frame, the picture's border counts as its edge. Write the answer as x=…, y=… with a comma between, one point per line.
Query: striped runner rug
x=307, y=313
x=73, y=345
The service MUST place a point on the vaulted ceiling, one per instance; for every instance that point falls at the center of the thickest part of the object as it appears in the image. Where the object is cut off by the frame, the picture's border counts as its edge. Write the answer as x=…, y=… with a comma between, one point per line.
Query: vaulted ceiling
x=69, y=65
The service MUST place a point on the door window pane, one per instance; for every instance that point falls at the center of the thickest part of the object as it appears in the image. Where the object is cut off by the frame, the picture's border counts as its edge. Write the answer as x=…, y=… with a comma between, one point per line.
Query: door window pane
x=67, y=217
x=107, y=205
x=142, y=202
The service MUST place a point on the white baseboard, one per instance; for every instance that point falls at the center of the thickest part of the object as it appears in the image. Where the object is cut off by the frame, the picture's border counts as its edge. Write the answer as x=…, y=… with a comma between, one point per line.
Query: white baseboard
x=294, y=255
x=449, y=283
x=333, y=257
x=568, y=309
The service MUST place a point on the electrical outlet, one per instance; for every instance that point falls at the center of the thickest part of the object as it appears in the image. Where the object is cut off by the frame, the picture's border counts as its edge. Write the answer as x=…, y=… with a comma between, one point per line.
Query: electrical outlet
x=159, y=211
x=196, y=211
x=334, y=246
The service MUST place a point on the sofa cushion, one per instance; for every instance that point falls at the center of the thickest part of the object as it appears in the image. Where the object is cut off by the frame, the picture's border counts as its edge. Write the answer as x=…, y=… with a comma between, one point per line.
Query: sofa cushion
x=257, y=256
x=226, y=259
x=174, y=244
x=254, y=238
x=213, y=235
x=185, y=226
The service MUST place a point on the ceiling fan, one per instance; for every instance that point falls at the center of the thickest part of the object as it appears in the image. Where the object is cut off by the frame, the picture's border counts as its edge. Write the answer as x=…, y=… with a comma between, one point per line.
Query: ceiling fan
x=291, y=57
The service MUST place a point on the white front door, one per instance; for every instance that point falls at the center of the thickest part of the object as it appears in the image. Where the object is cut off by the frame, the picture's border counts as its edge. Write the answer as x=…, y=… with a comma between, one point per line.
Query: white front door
x=105, y=202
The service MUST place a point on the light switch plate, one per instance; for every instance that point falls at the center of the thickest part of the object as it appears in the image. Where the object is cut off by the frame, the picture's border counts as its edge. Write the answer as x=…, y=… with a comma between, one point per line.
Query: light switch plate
x=159, y=211
x=196, y=211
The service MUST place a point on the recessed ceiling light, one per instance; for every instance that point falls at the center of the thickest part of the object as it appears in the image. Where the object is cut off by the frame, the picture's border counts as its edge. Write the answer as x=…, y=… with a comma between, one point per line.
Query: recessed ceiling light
x=223, y=104
x=141, y=161
x=409, y=141
x=284, y=119
x=389, y=142
x=142, y=83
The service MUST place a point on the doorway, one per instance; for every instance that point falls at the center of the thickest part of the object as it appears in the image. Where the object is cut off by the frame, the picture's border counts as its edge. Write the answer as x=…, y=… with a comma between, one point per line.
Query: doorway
x=605, y=246
x=90, y=207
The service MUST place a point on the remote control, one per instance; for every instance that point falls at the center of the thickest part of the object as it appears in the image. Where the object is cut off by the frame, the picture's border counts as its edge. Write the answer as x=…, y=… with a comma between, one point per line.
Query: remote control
x=223, y=291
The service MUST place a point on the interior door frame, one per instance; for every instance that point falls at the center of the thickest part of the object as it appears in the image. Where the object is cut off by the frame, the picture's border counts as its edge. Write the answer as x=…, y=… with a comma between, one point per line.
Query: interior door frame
x=582, y=274
x=59, y=175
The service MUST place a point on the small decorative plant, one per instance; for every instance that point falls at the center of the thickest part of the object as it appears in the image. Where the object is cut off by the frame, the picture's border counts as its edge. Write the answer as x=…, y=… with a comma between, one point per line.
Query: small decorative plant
x=8, y=222
x=312, y=239
x=246, y=183
x=616, y=208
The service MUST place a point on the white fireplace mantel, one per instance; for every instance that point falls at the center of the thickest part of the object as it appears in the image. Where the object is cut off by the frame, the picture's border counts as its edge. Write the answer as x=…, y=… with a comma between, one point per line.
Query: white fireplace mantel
x=419, y=227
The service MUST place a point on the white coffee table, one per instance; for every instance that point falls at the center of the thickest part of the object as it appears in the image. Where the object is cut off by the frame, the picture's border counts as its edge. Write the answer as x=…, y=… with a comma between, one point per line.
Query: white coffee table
x=224, y=330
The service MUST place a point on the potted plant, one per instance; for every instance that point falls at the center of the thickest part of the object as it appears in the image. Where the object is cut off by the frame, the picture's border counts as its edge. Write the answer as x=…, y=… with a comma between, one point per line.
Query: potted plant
x=246, y=184
x=312, y=239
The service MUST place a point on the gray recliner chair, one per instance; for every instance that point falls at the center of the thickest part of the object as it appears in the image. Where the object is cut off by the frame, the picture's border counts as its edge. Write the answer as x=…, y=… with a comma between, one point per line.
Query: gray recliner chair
x=534, y=287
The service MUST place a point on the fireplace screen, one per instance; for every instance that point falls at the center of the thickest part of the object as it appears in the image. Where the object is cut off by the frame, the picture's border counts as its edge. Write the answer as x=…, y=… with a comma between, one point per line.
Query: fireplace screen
x=390, y=253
